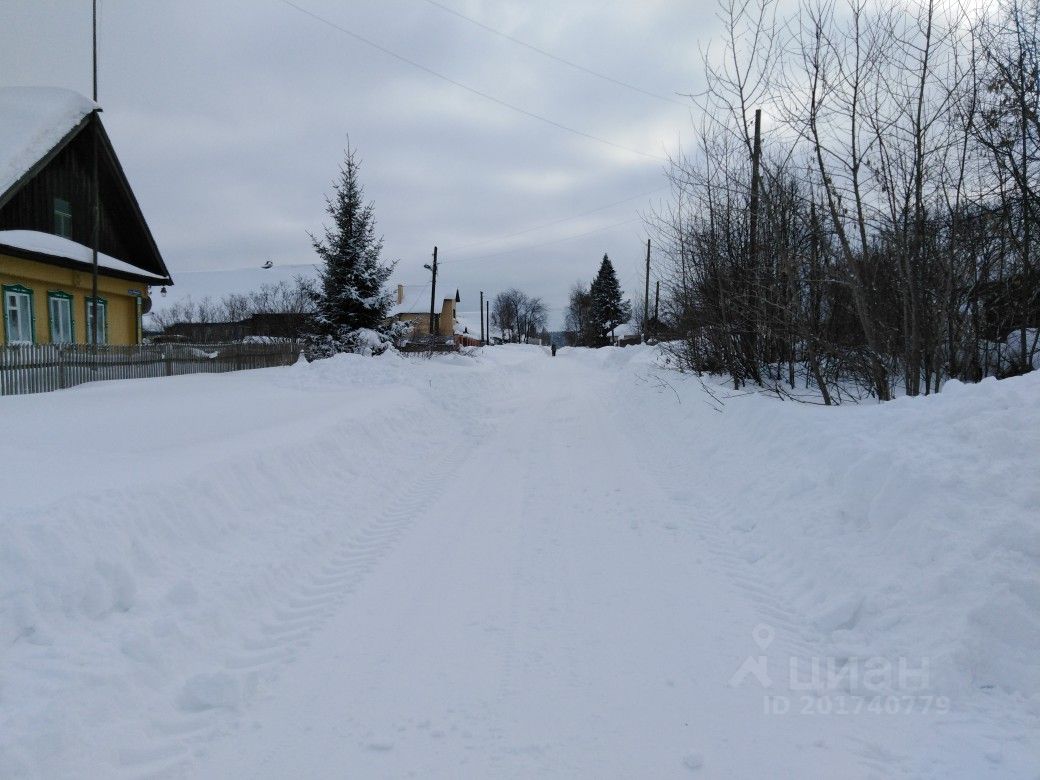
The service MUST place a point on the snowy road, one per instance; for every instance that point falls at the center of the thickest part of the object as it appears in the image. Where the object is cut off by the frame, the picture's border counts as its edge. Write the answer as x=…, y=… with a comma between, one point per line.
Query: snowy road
x=513, y=579
x=540, y=616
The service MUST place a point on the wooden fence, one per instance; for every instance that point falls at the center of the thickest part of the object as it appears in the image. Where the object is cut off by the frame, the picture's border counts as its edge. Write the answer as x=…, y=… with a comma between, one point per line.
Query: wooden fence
x=40, y=368
x=428, y=344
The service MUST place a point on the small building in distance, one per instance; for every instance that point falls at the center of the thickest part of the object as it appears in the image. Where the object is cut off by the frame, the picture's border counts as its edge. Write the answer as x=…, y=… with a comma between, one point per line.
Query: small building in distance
x=625, y=334
x=48, y=141
x=413, y=307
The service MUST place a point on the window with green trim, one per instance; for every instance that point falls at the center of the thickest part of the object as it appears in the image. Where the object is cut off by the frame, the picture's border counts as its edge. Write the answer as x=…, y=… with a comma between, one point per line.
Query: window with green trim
x=59, y=310
x=18, y=314
x=102, y=326
x=62, y=218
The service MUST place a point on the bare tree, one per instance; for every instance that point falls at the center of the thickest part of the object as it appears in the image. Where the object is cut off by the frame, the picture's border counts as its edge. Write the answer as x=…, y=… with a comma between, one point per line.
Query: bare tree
x=518, y=315
x=884, y=229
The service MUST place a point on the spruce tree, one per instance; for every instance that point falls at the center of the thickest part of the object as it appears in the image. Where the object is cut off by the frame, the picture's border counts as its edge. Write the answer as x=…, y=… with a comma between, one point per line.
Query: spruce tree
x=608, y=308
x=350, y=292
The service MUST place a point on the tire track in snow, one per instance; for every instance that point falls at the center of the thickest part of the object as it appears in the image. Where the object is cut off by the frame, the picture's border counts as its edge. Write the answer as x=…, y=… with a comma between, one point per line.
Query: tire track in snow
x=297, y=613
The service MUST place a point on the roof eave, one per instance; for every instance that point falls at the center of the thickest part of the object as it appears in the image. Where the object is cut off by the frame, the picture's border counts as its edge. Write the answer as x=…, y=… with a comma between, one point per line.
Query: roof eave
x=128, y=190
x=77, y=265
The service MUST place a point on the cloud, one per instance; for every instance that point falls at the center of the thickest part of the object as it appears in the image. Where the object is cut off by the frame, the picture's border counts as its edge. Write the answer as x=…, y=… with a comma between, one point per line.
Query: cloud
x=231, y=119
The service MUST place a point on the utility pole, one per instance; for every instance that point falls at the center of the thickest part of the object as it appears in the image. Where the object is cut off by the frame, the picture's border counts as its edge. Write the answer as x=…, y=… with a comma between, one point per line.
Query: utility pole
x=487, y=304
x=646, y=293
x=657, y=301
x=682, y=256
x=756, y=158
x=482, y=318
x=433, y=296
x=96, y=229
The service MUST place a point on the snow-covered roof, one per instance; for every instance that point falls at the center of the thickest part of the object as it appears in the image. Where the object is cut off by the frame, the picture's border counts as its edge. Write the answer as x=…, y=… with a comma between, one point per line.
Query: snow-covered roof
x=625, y=329
x=463, y=325
x=412, y=299
x=32, y=122
x=416, y=298
x=56, y=246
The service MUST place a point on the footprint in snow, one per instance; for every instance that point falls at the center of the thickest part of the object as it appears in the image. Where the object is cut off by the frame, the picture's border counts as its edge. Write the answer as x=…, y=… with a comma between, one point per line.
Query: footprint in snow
x=693, y=761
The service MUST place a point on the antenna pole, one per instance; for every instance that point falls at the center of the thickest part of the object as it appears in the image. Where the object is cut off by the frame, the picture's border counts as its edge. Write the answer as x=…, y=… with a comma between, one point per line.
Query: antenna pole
x=94, y=19
x=95, y=129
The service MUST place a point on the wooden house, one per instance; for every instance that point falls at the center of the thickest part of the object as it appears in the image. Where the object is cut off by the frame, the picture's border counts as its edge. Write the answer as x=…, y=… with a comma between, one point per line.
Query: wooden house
x=54, y=156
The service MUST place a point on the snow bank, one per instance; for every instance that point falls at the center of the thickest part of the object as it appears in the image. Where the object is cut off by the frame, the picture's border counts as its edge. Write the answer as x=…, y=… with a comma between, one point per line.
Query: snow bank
x=909, y=529
x=147, y=526
x=154, y=534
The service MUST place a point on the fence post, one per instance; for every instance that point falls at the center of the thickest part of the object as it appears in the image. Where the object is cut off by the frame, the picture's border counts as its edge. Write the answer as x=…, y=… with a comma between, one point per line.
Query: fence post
x=167, y=366
x=62, y=382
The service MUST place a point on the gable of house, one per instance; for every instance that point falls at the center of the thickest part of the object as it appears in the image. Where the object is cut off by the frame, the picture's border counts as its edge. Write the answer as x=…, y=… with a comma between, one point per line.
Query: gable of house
x=50, y=189
x=51, y=143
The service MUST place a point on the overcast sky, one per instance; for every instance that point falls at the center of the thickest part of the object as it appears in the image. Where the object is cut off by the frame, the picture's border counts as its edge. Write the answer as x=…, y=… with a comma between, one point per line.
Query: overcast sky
x=230, y=118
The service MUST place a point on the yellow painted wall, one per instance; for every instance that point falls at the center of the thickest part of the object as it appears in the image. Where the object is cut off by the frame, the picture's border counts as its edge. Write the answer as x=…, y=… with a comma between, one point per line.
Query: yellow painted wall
x=124, y=324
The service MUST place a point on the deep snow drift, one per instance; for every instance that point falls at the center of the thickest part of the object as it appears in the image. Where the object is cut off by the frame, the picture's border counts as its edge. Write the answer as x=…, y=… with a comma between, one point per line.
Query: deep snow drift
x=514, y=565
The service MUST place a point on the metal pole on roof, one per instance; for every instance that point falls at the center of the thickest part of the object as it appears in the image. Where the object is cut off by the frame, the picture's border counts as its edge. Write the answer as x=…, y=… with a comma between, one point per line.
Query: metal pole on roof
x=94, y=19
x=96, y=231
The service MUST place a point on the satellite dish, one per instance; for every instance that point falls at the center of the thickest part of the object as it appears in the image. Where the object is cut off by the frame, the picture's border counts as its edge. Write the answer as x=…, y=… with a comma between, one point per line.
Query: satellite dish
x=146, y=304
x=268, y=264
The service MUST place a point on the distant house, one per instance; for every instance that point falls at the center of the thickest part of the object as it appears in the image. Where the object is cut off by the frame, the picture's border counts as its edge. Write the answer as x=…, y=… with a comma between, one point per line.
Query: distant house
x=48, y=139
x=626, y=334
x=413, y=306
x=466, y=333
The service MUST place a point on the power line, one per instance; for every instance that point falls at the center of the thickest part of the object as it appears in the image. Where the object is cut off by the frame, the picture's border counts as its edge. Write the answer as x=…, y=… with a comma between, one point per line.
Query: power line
x=555, y=57
x=544, y=243
x=556, y=221
x=472, y=90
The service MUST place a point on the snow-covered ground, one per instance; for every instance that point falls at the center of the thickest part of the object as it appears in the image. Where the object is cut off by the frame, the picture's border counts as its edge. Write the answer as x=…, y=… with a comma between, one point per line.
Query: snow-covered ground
x=511, y=565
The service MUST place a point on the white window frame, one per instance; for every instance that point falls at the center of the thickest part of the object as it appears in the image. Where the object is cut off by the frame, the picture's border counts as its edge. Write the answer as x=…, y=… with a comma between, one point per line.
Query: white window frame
x=102, y=334
x=19, y=299
x=62, y=303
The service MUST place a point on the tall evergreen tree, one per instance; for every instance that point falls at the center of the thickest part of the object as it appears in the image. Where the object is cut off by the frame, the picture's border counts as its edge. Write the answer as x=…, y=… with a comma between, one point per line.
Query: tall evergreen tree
x=350, y=292
x=609, y=309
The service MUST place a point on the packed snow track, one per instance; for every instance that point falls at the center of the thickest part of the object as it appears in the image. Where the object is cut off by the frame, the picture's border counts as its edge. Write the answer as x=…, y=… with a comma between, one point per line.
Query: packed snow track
x=513, y=565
